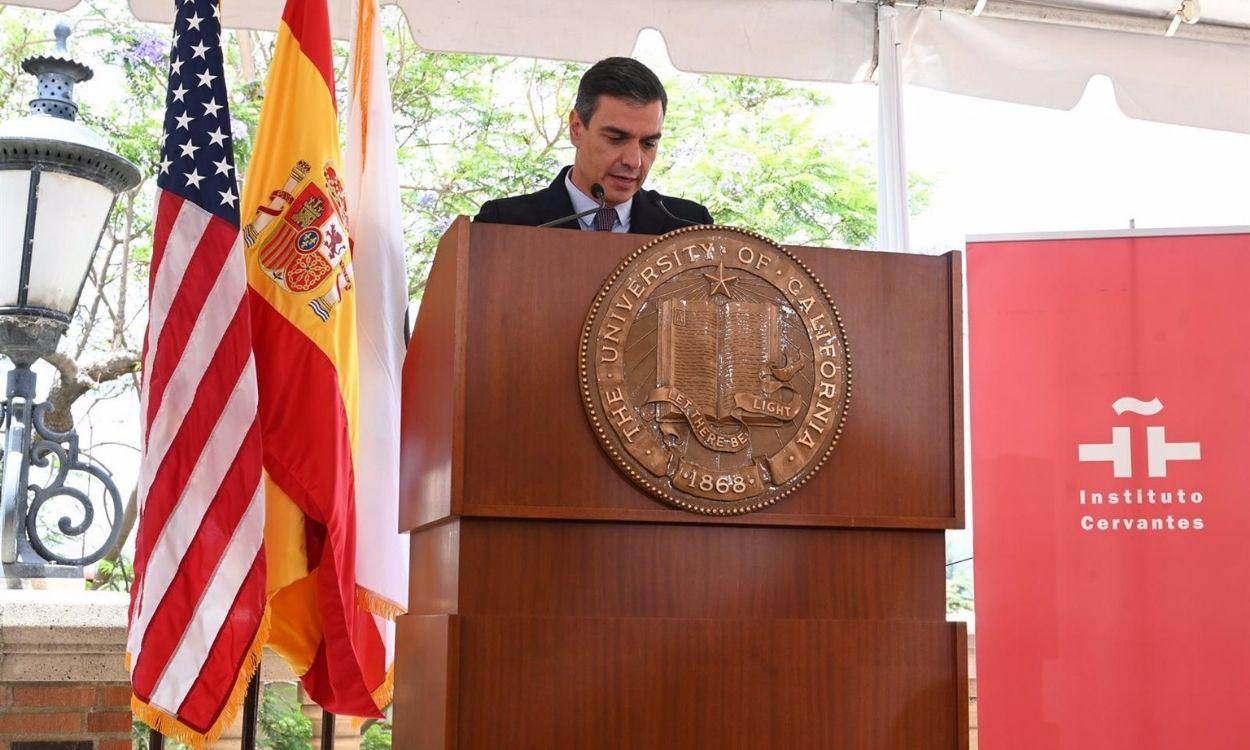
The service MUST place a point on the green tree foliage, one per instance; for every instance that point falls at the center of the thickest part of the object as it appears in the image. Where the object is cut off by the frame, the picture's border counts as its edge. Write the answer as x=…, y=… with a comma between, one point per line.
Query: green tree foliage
x=114, y=575
x=18, y=40
x=750, y=148
x=472, y=127
x=377, y=736
x=959, y=589
x=959, y=595
x=281, y=723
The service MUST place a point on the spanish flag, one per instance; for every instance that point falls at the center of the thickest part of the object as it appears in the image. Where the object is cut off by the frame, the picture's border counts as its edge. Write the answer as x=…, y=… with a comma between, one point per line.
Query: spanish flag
x=303, y=304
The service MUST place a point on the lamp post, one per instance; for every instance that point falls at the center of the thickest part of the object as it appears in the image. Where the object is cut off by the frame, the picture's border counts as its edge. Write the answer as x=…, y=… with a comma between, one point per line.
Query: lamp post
x=58, y=183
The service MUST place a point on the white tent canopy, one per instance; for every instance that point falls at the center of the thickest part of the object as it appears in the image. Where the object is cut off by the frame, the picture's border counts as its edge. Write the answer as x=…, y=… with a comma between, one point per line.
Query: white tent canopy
x=1040, y=52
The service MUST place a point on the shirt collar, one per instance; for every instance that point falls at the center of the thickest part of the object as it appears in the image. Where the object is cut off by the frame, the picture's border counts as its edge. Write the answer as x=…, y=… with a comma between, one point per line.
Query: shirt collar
x=583, y=202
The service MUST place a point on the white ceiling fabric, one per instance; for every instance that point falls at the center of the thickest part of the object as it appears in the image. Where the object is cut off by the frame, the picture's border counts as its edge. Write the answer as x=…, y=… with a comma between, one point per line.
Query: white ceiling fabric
x=1175, y=80
x=1188, y=79
x=798, y=39
x=1234, y=12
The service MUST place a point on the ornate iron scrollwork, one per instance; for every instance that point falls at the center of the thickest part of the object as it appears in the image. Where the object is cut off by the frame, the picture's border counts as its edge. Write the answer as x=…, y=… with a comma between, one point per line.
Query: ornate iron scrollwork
x=27, y=547
x=64, y=446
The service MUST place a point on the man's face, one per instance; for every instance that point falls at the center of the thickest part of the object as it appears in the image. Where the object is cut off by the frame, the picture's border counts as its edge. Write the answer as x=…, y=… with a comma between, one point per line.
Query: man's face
x=616, y=148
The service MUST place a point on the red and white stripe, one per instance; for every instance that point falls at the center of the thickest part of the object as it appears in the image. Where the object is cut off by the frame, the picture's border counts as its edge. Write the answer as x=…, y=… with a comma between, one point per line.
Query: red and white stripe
x=199, y=550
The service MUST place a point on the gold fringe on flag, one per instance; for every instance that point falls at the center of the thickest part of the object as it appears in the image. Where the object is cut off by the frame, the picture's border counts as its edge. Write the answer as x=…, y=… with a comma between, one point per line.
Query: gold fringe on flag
x=379, y=605
x=170, y=726
x=385, y=693
x=382, y=697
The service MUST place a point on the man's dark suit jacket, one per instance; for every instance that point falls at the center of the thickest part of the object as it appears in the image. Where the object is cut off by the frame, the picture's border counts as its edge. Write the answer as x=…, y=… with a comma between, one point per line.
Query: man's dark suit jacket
x=552, y=202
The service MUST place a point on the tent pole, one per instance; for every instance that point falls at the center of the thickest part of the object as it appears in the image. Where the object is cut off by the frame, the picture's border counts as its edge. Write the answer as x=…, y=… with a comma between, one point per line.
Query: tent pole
x=1145, y=22
x=892, y=206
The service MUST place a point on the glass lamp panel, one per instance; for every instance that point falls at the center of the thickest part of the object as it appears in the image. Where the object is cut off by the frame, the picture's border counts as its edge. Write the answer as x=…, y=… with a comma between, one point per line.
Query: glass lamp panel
x=14, y=186
x=71, y=213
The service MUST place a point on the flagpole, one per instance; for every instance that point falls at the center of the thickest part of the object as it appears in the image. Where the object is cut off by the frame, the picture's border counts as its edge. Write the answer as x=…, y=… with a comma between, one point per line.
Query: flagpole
x=250, y=705
x=327, y=730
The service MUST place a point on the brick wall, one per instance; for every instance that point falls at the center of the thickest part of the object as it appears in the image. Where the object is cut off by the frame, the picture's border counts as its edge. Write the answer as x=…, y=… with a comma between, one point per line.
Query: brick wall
x=64, y=715
x=62, y=677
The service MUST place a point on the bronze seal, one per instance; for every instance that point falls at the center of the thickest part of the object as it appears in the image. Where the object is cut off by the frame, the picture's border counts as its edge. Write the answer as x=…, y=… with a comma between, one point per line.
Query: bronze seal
x=714, y=370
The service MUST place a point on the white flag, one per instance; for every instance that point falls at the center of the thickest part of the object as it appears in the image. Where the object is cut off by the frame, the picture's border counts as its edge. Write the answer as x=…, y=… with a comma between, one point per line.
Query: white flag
x=372, y=178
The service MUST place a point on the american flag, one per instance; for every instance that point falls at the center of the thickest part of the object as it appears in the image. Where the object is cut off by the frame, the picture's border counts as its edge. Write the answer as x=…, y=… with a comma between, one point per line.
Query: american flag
x=198, y=601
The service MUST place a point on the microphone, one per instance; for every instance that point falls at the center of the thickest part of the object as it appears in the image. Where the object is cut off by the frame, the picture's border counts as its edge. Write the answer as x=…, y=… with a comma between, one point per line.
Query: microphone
x=659, y=202
x=596, y=192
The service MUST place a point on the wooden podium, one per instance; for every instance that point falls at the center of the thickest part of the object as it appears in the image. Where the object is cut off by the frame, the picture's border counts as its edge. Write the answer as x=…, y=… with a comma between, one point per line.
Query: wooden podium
x=555, y=605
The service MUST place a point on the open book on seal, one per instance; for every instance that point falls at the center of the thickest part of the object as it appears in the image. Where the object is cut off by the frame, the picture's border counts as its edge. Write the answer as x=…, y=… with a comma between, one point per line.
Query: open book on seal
x=710, y=350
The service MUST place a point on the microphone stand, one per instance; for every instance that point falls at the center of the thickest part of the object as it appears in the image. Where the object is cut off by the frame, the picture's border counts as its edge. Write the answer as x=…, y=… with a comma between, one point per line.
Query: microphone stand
x=659, y=203
x=596, y=192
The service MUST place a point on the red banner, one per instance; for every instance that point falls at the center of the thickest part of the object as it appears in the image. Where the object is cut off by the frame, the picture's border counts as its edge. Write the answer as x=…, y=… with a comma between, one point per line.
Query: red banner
x=1110, y=391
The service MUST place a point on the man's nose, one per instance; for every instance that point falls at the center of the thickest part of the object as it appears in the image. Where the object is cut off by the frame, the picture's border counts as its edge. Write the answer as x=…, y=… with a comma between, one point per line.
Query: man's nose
x=631, y=155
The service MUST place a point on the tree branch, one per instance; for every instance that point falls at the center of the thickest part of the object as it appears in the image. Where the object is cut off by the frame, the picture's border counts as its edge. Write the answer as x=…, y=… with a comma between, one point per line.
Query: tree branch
x=127, y=521
x=89, y=323
x=119, y=323
x=76, y=380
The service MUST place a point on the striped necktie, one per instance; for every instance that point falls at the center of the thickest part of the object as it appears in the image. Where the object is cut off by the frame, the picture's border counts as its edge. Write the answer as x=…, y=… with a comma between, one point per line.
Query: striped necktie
x=605, y=219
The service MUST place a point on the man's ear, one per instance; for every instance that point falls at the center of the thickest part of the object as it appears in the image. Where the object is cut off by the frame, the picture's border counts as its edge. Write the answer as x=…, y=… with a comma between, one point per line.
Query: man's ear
x=576, y=128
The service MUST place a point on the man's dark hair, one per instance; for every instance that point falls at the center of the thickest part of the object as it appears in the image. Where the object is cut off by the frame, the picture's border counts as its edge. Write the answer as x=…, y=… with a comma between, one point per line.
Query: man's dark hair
x=622, y=77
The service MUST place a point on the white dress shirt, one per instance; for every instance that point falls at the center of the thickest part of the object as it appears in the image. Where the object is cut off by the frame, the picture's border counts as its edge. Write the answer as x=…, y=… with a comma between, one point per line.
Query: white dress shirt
x=583, y=202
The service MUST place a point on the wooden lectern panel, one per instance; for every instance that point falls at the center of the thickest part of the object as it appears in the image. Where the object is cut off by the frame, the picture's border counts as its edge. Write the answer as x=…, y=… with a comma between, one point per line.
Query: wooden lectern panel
x=556, y=606
x=681, y=684
x=523, y=441
x=596, y=569
x=431, y=452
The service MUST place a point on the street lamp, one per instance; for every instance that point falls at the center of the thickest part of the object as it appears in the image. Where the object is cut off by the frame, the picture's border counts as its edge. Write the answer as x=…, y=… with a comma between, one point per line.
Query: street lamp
x=58, y=183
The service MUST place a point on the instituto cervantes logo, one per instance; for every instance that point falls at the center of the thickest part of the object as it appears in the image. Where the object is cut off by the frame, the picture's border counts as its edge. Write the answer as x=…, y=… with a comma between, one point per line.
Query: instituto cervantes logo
x=1141, y=504
x=714, y=369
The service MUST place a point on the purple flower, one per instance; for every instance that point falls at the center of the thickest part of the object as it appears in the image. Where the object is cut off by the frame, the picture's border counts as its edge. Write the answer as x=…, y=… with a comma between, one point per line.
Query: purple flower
x=238, y=129
x=147, y=48
x=427, y=198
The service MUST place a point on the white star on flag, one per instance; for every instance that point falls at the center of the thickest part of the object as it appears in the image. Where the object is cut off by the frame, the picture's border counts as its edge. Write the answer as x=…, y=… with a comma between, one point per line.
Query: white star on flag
x=165, y=165
x=228, y=197
x=175, y=66
x=199, y=50
x=179, y=93
x=216, y=137
x=194, y=22
x=194, y=178
x=188, y=149
x=223, y=166
x=206, y=78
x=184, y=120
x=211, y=107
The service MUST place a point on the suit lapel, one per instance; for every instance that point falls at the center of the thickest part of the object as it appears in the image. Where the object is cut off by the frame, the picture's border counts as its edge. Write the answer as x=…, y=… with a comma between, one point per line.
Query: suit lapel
x=553, y=202
x=644, y=217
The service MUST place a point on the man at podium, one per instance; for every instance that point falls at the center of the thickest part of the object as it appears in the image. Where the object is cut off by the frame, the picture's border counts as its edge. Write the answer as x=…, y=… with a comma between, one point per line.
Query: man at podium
x=615, y=128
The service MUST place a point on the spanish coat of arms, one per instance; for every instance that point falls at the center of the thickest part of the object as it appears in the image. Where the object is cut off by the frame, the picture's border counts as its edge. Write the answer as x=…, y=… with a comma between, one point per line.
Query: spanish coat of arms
x=301, y=238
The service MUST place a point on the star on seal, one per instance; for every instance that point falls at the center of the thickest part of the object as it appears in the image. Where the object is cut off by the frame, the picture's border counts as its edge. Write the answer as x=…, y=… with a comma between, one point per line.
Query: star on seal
x=720, y=280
